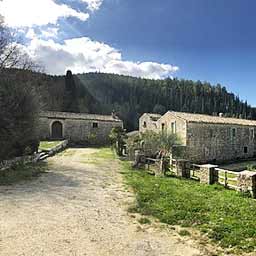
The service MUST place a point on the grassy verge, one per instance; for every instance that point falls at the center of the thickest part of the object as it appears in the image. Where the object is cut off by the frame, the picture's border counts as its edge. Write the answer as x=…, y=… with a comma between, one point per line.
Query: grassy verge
x=48, y=145
x=97, y=157
x=226, y=217
x=103, y=153
x=21, y=173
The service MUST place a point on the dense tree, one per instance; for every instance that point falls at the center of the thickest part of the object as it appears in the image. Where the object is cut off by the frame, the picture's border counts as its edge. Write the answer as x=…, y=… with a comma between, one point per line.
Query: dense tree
x=70, y=95
x=18, y=101
x=132, y=97
x=18, y=115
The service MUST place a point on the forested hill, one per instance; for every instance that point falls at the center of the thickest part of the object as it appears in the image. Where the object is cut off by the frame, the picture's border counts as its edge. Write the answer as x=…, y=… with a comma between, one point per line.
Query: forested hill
x=131, y=97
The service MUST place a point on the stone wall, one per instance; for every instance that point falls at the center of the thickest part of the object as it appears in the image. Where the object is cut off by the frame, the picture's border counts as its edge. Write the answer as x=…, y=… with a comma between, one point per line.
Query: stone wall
x=79, y=131
x=7, y=164
x=147, y=124
x=173, y=124
x=215, y=142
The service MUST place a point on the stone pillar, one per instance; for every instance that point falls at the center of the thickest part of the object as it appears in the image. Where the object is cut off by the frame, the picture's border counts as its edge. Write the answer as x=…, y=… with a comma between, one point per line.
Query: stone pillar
x=247, y=182
x=182, y=168
x=140, y=159
x=208, y=174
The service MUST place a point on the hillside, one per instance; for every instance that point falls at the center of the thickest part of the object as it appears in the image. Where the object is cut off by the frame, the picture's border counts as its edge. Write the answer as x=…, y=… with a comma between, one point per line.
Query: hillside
x=130, y=97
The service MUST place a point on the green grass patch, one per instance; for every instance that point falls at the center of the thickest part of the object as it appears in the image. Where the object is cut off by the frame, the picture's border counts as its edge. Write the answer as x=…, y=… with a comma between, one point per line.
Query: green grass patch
x=48, y=145
x=184, y=232
x=226, y=216
x=104, y=153
x=22, y=173
x=144, y=221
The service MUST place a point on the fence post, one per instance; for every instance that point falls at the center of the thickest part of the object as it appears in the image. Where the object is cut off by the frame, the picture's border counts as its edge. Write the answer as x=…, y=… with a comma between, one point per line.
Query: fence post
x=207, y=173
x=182, y=168
x=247, y=182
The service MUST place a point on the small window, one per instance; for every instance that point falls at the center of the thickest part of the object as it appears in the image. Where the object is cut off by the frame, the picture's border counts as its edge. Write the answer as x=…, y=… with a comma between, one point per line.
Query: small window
x=145, y=124
x=233, y=132
x=173, y=127
x=252, y=134
x=95, y=125
x=163, y=127
x=245, y=150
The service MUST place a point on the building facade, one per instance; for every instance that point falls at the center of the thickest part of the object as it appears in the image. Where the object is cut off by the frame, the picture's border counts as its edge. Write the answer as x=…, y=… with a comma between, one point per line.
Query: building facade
x=205, y=138
x=77, y=128
x=148, y=122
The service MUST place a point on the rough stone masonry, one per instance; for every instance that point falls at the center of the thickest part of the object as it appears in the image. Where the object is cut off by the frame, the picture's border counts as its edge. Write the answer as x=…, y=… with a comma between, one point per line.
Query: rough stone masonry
x=77, y=128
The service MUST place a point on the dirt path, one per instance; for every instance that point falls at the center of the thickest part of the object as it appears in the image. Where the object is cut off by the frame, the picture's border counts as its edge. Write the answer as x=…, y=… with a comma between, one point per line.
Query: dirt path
x=79, y=208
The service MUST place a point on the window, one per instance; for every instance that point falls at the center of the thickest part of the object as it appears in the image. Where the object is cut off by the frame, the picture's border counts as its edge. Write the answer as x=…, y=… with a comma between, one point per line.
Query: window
x=163, y=127
x=252, y=133
x=233, y=132
x=245, y=150
x=95, y=125
x=173, y=127
x=145, y=124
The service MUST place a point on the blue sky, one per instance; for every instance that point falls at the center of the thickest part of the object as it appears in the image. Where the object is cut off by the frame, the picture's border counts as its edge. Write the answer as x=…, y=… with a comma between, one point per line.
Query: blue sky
x=208, y=40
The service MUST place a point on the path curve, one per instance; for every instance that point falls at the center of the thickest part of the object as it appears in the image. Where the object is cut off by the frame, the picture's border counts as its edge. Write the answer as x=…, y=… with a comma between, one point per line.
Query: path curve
x=79, y=208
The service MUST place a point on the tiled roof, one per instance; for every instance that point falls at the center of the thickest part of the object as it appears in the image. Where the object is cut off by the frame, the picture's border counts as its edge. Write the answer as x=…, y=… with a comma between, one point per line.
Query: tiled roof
x=200, y=118
x=81, y=116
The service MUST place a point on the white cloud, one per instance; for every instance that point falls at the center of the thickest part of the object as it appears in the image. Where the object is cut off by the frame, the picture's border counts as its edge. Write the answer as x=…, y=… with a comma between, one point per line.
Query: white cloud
x=28, y=13
x=50, y=32
x=93, y=5
x=84, y=55
x=31, y=33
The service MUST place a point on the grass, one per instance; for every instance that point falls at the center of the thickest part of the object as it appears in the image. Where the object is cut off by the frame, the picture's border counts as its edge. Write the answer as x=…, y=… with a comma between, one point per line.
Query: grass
x=21, y=173
x=227, y=217
x=184, y=232
x=48, y=145
x=144, y=220
x=103, y=153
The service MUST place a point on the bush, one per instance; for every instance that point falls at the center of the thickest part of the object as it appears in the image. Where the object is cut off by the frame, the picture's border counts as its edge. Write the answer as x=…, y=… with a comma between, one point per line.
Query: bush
x=117, y=137
x=18, y=115
x=152, y=143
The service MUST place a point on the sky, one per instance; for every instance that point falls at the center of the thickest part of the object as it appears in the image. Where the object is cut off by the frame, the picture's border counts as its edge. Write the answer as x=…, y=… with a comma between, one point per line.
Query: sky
x=207, y=40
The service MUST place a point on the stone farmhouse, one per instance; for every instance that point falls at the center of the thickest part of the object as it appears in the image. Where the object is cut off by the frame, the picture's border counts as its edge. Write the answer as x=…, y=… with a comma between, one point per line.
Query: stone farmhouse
x=204, y=138
x=77, y=127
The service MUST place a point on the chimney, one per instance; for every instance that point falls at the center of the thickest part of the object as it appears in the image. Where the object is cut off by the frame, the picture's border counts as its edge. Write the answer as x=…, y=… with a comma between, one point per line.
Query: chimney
x=113, y=114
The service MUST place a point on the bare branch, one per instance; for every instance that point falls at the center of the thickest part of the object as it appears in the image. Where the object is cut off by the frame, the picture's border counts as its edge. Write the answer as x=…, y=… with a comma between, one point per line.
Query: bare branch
x=12, y=54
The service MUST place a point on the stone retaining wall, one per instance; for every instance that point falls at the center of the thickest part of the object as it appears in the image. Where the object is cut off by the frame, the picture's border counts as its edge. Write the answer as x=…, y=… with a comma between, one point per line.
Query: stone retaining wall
x=58, y=148
x=7, y=164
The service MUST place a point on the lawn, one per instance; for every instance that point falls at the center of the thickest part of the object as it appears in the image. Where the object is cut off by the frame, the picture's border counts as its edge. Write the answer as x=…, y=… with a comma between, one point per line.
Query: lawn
x=48, y=145
x=227, y=217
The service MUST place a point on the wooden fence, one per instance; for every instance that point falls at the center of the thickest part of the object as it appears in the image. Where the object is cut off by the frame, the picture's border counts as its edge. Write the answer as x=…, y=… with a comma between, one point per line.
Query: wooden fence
x=228, y=179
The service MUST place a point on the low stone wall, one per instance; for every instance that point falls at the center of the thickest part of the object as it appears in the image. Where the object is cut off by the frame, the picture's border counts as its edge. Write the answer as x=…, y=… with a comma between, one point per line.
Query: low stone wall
x=7, y=164
x=58, y=148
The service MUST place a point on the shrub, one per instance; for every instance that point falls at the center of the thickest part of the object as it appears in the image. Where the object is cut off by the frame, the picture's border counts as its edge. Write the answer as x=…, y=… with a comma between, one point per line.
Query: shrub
x=18, y=115
x=117, y=137
x=152, y=143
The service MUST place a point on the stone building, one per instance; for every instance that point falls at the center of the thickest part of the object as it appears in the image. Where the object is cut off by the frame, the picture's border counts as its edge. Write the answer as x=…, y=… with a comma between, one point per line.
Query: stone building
x=213, y=139
x=77, y=127
x=148, y=122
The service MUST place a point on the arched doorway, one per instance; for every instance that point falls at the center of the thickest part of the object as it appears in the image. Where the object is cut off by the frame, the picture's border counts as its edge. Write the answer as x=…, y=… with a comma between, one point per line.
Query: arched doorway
x=57, y=130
